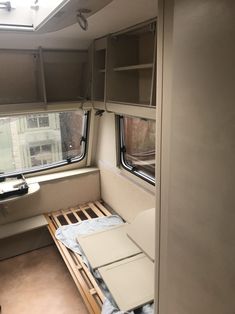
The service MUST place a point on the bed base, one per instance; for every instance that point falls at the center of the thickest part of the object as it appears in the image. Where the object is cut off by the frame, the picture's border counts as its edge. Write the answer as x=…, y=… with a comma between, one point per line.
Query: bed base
x=90, y=291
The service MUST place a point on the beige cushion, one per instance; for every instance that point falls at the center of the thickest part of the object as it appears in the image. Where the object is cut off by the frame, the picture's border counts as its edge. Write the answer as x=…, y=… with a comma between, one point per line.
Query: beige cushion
x=130, y=281
x=105, y=247
x=142, y=232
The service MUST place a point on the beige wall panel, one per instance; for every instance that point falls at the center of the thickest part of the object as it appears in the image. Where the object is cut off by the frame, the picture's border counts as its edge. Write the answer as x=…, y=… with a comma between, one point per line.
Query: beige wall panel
x=123, y=195
x=54, y=195
x=200, y=188
x=106, y=139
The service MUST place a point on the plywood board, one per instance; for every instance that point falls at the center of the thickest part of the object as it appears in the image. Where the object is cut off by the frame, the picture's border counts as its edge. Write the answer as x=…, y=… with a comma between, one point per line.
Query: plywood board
x=105, y=247
x=144, y=221
x=131, y=281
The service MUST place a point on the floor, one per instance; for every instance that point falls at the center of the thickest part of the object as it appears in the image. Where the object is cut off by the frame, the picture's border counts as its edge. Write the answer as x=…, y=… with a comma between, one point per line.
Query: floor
x=38, y=282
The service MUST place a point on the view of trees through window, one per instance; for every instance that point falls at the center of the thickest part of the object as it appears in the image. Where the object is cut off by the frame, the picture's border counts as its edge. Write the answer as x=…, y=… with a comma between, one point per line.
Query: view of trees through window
x=35, y=140
x=139, y=142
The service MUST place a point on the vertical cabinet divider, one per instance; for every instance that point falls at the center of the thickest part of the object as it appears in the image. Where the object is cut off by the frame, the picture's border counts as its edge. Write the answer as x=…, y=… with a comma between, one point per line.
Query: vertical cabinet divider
x=42, y=73
x=106, y=68
x=153, y=84
x=99, y=69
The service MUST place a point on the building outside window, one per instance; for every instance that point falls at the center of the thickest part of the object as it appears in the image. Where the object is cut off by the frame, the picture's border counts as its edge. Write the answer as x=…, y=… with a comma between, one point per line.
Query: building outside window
x=41, y=154
x=137, y=146
x=37, y=121
x=41, y=141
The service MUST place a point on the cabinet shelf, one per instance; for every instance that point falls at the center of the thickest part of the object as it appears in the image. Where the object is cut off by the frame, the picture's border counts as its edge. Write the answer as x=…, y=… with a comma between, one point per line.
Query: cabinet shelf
x=131, y=66
x=101, y=70
x=135, y=67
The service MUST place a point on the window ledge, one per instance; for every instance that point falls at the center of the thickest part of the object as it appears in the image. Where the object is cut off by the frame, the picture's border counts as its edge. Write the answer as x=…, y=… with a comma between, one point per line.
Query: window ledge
x=61, y=175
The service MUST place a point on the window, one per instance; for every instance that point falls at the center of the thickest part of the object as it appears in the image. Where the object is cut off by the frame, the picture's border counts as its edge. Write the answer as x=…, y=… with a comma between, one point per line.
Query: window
x=137, y=146
x=41, y=141
x=41, y=154
x=37, y=121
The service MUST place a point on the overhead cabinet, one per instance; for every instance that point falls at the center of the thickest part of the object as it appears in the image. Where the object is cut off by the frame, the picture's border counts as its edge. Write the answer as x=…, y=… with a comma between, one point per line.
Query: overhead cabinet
x=20, y=77
x=43, y=76
x=124, y=68
x=123, y=71
x=66, y=75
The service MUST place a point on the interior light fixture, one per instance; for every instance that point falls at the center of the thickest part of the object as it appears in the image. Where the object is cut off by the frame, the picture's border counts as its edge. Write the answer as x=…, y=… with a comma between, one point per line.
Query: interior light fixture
x=81, y=18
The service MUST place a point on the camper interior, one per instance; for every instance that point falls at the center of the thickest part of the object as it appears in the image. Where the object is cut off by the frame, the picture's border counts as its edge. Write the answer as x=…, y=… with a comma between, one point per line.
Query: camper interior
x=117, y=156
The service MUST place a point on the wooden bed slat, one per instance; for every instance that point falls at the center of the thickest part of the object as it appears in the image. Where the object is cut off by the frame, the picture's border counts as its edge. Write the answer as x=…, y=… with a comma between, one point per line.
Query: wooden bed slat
x=75, y=214
x=89, y=275
x=103, y=209
x=90, y=291
x=91, y=305
x=96, y=210
x=86, y=214
x=65, y=215
x=57, y=222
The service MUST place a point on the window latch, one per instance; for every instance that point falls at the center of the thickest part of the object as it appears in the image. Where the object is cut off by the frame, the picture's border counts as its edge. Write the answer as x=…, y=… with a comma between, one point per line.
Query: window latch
x=123, y=149
x=83, y=139
x=134, y=168
x=69, y=160
x=99, y=113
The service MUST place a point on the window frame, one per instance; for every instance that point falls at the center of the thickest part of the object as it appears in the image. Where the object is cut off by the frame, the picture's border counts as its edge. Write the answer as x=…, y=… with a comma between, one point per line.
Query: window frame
x=121, y=144
x=55, y=165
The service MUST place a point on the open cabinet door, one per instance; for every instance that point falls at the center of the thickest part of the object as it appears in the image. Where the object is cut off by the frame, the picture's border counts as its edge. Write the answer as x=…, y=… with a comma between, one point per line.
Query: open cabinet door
x=53, y=15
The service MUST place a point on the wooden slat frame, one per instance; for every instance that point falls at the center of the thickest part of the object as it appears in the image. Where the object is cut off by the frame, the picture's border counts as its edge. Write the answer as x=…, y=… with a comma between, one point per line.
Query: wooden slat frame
x=90, y=291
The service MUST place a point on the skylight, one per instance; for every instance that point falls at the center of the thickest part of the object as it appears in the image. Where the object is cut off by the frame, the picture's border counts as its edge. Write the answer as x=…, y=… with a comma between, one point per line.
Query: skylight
x=46, y=15
x=27, y=14
x=17, y=13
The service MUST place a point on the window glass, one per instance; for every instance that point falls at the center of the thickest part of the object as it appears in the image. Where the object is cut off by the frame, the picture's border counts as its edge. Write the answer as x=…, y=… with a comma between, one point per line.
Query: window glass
x=37, y=121
x=32, y=122
x=43, y=121
x=41, y=155
x=138, y=146
x=38, y=141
